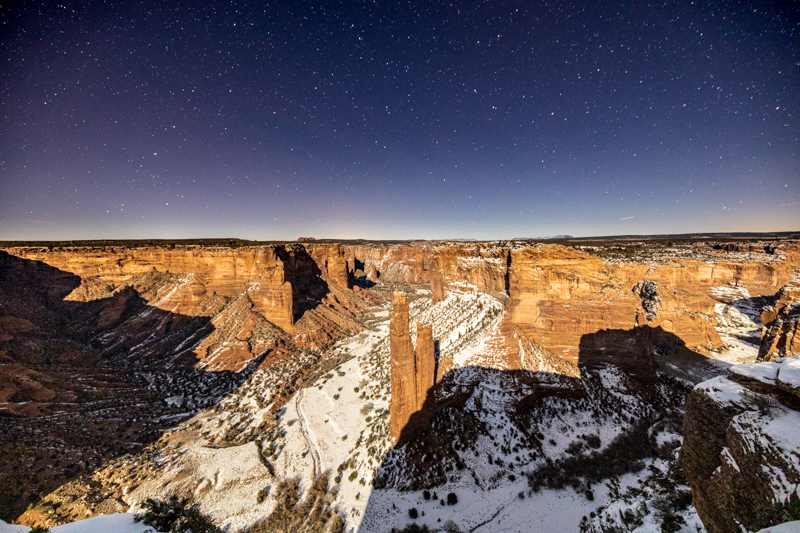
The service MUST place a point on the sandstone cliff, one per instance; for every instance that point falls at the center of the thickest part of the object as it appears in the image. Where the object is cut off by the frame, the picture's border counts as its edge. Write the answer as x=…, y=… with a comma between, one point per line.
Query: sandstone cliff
x=780, y=335
x=741, y=450
x=264, y=272
x=394, y=262
x=302, y=290
x=558, y=295
x=404, y=384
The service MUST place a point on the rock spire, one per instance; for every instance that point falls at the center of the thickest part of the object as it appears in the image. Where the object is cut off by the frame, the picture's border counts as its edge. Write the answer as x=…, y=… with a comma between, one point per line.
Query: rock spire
x=413, y=372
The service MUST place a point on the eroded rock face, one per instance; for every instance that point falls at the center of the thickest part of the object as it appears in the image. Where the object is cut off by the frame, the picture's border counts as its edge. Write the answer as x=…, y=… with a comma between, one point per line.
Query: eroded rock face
x=780, y=336
x=404, y=379
x=332, y=262
x=413, y=371
x=425, y=360
x=741, y=448
x=558, y=295
x=398, y=262
x=261, y=271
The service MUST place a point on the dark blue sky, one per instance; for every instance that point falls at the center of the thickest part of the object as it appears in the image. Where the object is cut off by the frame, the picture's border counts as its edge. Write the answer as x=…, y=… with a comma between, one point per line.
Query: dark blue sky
x=398, y=120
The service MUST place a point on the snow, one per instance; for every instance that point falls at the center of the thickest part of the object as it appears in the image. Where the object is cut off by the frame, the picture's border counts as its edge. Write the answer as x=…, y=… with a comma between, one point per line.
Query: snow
x=116, y=523
x=789, y=372
x=787, y=527
x=774, y=435
x=723, y=391
x=224, y=481
x=10, y=528
x=763, y=372
x=498, y=510
x=738, y=324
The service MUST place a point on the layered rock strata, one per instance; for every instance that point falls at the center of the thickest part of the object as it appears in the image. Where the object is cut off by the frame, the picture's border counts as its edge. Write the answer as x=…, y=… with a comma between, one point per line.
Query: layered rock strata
x=265, y=273
x=412, y=371
x=425, y=363
x=394, y=262
x=741, y=448
x=780, y=336
x=560, y=295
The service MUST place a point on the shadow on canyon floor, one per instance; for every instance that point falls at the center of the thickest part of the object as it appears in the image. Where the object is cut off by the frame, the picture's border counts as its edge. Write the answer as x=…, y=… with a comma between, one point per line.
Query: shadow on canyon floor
x=447, y=424
x=70, y=397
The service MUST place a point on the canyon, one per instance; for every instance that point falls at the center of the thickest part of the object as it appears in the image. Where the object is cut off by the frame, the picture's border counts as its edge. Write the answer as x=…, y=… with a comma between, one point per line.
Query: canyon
x=402, y=367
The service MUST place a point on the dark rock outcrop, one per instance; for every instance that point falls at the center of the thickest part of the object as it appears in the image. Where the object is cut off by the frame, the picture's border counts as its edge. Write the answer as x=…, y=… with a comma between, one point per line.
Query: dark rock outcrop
x=741, y=449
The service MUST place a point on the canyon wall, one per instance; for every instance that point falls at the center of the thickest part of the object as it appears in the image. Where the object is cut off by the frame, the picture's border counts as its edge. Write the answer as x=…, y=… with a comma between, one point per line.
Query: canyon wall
x=563, y=297
x=276, y=278
x=262, y=272
x=404, y=262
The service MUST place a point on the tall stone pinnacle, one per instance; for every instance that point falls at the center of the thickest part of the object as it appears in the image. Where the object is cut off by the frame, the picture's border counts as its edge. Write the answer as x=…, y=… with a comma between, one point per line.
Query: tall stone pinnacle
x=413, y=373
x=425, y=363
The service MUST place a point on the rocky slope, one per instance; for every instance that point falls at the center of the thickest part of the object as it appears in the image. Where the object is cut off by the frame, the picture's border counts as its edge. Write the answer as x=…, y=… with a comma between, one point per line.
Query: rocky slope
x=741, y=451
x=120, y=343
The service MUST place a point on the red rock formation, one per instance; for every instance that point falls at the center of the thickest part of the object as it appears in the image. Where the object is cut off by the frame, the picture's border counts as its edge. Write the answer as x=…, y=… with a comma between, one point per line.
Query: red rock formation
x=224, y=271
x=404, y=394
x=413, y=372
x=558, y=295
x=781, y=334
x=425, y=363
x=332, y=262
x=397, y=262
x=123, y=301
x=301, y=289
x=485, y=266
x=737, y=454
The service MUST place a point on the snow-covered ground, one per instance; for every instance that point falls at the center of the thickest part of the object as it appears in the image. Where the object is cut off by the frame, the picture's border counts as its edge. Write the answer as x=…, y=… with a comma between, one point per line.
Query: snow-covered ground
x=337, y=421
x=738, y=324
x=112, y=523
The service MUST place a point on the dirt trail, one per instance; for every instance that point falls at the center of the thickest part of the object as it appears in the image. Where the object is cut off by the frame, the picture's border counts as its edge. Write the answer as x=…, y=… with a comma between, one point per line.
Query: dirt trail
x=311, y=439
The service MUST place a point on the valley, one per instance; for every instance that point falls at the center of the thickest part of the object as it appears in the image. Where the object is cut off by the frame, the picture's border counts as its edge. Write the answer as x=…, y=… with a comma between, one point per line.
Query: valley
x=248, y=378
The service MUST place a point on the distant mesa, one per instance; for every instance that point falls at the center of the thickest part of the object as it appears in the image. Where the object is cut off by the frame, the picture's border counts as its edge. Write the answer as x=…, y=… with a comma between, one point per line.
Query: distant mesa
x=306, y=239
x=550, y=238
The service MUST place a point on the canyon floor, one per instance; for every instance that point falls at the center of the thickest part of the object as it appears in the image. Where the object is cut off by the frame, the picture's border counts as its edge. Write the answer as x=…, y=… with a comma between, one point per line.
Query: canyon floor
x=253, y=382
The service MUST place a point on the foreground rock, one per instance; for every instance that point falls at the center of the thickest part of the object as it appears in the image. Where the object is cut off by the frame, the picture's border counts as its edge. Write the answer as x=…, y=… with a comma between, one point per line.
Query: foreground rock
x=741, y=452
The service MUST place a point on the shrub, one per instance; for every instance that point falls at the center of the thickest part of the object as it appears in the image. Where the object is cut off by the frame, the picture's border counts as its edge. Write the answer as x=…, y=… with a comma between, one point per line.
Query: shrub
x=452, y=499
x=337, y=524
x=413, y=528
x=314, y=513
x=175, y=515
x=451, y=527
x=593, y=442
x=413, y=514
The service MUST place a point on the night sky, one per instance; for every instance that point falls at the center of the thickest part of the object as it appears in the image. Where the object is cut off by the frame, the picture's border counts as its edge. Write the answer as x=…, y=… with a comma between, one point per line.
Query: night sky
x=485, y=120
